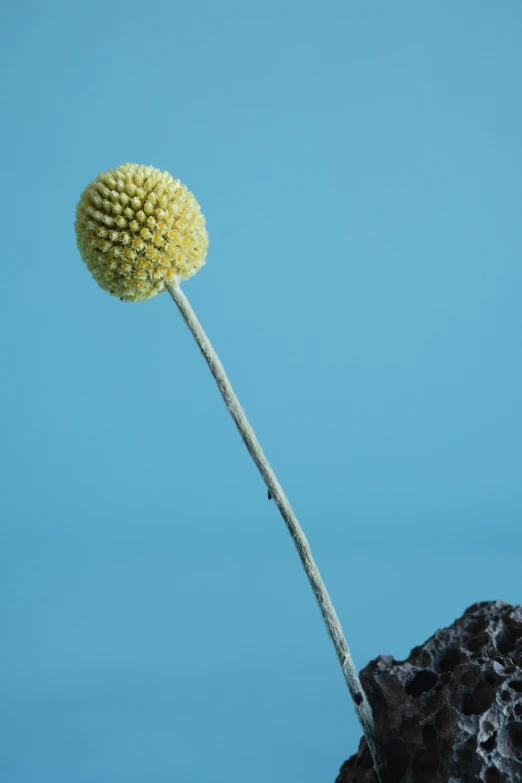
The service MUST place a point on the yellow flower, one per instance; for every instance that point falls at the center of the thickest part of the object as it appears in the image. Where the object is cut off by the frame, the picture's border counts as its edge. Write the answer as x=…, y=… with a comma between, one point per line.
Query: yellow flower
x=131, y=211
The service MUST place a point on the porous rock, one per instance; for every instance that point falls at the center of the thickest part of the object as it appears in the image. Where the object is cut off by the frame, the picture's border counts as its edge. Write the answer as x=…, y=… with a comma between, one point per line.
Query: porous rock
x=452, y=711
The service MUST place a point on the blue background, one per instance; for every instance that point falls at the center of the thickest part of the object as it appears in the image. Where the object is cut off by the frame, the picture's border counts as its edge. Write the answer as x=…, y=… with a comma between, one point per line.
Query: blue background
x=359, y=166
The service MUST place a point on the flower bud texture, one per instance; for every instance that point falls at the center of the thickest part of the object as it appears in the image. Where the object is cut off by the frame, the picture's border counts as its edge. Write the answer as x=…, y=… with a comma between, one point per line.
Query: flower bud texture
x=137, y=229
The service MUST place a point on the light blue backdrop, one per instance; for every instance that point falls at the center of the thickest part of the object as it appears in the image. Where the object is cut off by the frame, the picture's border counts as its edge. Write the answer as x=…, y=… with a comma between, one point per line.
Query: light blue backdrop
x=359, y=165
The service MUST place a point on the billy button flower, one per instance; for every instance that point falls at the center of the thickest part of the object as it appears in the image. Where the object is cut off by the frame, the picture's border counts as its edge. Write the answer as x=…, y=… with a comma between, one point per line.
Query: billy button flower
x=141, y=232
x=137, y=229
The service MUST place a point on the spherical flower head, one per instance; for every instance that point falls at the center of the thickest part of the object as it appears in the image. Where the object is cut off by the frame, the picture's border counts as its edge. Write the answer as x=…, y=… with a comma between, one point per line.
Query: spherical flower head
x=139, y=229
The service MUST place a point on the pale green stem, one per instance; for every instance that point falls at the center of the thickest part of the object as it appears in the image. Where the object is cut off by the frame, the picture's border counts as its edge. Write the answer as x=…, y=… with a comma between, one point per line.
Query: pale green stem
x=331, y=620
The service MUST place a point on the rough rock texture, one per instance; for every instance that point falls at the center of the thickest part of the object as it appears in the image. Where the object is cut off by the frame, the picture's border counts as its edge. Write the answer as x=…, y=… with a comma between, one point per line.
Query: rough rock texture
x=452, y=711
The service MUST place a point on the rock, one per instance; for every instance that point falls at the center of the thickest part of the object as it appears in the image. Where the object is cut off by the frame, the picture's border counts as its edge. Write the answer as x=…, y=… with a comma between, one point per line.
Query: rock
x=452, y=711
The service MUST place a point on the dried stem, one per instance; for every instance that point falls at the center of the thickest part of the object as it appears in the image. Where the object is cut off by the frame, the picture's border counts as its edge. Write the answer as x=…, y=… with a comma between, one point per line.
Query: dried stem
x=331, y=620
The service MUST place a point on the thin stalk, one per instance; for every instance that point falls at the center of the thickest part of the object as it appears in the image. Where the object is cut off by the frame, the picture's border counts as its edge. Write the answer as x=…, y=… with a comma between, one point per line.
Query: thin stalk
x=333, y=626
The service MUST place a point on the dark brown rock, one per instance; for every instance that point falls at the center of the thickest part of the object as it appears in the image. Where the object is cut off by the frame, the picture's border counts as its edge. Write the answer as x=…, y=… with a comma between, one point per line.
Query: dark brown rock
x=452, y=711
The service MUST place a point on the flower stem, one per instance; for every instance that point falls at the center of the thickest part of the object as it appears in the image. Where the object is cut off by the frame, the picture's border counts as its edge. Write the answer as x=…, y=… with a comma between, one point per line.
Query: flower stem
x=333, y=626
